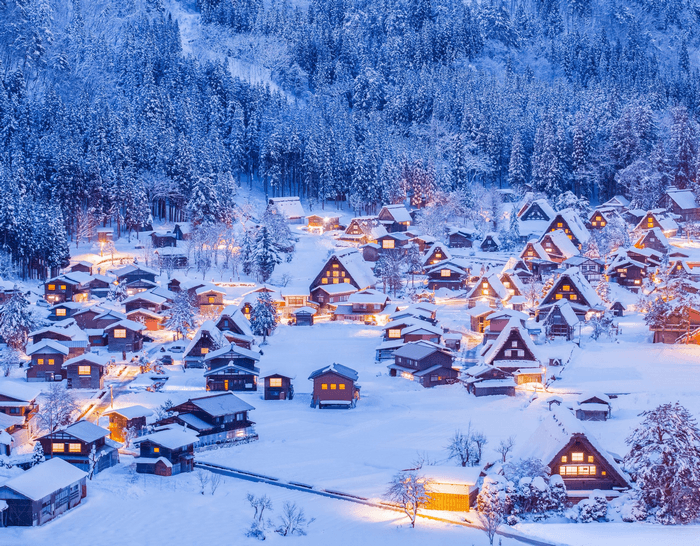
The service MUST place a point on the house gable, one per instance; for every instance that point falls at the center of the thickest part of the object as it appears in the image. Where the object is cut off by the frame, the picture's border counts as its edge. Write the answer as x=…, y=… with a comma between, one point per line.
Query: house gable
x=334, y=272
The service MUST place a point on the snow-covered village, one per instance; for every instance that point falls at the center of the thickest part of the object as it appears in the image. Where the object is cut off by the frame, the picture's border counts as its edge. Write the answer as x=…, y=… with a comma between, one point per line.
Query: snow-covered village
x=391, y=272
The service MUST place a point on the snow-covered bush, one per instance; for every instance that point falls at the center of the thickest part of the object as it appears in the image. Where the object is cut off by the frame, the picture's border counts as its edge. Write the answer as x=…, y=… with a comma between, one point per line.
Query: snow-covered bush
x=594, y=508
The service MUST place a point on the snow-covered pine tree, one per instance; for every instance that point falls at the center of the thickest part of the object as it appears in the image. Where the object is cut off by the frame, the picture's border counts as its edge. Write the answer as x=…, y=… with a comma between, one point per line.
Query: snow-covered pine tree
x=37, y=454
x=263, y=316
x=278, y=228
x=664, y=461
x=265, y=255
x=603, y=289
x=17, y=320
x=517, y=166
x=182, y=314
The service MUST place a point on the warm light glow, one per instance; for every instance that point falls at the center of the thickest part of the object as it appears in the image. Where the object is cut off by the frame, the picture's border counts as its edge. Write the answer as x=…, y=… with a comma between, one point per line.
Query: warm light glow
x=275, y=382
x=84, y=370
x=120, y=333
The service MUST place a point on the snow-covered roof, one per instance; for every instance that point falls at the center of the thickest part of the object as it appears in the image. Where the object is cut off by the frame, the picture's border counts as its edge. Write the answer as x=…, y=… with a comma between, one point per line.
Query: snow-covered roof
x=617, y=201
x=210, y=328
x=18, y=391
x=494, y=282
x=515, y=281
x=666, y=222
x=575, y=225
x=421, y=326
x=493, y=236
x=232, y=348
x=447, y=255
x=86, y=431
x=86, y=357
x=208, y=287
x=289, y=207
x=398, y=213
x=538, y=249
x=217, y=405
x=46, y=478
x=547, y=209
x=145, y=312
x=454, y=475
x=590, y=395
x=368, y=296
x=574, y=277
x=126, y=323
x=685, y=199
x=418, y=351
x=513, y=324
x=170, y=438
x=357, y=268
x=111, y=313
x=238, y=318
x=127, y=269
x=656, y=232
x=560, y=240
x=339, y=369
x=566, y=310
x=131, y=412
x=335, y=289
x=146, y=296
x=67, y=305
x=48, y=346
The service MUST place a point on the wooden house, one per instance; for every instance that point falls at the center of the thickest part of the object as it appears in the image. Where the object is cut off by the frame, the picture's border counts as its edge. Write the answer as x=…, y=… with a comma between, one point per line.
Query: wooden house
x=125, y=335
x=85, y=317
x=294, y=297
x=618, y=202
x=172, y=257
x=618, y=309
x=161, y=239
x=539, y=210
x=427, y=363
x=330, y=295
x=490, y=243
x=232, y=320
x=64, y=310
x=363, y=305
x=146, y=300
x=461, y=238
x=568, y=221
x=216, y=418
x=152, y=321
x=334, y=386
x=42, y=493
x=447, y=275
x=676, y=328
x=105, y=235
x=82, y=267
x=591, y=268
x=396, y=241
x=363, y=230
x=626, y=271
x=167, y=451
x=65, y=332
x=561, y=320
x=47, y=360
x=533, y=251
x=209, y=298
x=593, y=407
x=563, y=444
x=682, y=203
x=572, y=286
x=106, y=318
x=423, y=242
x=278, y=387
x=99, y=286
x=558, y=246
x=134, y=272
x=394, y=218
x=478, y=317
x=232, y=368
x=207, y=339
x=322, y=224
x=658, y=218
x=123, y=419
x=344, y=267
x=488, y=290
x=500, y=319
x=436, y=254
x=74, y=444
x=485, y=380
x=452, y=488
x=655, y=239
x=7, y=291
x=304, y=316
x=18, y=400
x=513, y=349
x=512, y=283
x=85, y=372
x=67, y=287
x=182, y=231
x=289, y=207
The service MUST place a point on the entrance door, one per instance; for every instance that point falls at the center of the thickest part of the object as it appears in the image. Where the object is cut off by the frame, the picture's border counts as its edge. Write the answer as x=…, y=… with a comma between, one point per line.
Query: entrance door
x=225, y=384
x=283, y=395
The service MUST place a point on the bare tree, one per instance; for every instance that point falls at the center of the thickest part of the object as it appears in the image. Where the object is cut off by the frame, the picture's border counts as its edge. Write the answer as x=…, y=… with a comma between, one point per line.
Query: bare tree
x=479, y=440
x=461, y=446
x=292, y=521
x=505, y=447
x=490, y=522
x=410, y=492
x=9, y=360
x=57, y=408
x=259, y=504
x=215, y=481
x=203, y=480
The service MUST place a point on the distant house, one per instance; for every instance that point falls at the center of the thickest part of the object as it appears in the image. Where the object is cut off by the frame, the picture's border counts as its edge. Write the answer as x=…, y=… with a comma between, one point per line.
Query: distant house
x=363, y=230
x=499, y=320
x=233, y=320
x=602, y=216
x=294, y=297
x=489, y=290
x=209, y=298
x=682, y=203
x=304, y=316
x=513, y=350
x=125, y=335
x=627, y=271
x=85, y=372
x=392, y=241
x=328, y=296
x=145, y=300
x=558, y=246
x=658, y=218
x=47, y=360
x=19, y=401
x=343, y=267
x=436, y=254
x=182, y=231
x=362, y=305
x=75, y=443
x=290, y=208
x=655, y=239
x=572, y=286
x=85, y=317
x=133, y=273
x=105, y=235
x=232, y=368
x=561, y=320
x=593, y=407
x=461, y=238
x=99, y=286
x=166, y=452
x=67, y=287
x=490, y=243
x=321, y=224
x=618, y=202
x=563, y=444
x=216, y=418
x=207, y=339
x=591, y=268
x=278, y=387
x=82, y=267
x=65, y=332
x=447, y=275
x=618, y=309
x=485, y=380
x=42, y=493
x=64, y=310
x=152, y=321
x=452, y=488
x=539, y=210
x=677, y=328
x=394, y=218
x=123, y=419
x=425, y=362
x=569, y=221
x=334, y=385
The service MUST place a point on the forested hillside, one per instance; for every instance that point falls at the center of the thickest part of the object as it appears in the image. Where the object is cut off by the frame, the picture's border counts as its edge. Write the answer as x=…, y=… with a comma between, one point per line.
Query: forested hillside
x=106, y=115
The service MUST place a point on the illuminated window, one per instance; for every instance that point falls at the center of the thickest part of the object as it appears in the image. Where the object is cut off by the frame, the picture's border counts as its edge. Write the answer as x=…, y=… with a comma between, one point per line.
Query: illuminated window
x=336, y=273
x=341, y=386
x=84, y=370
x=559, y=224
x=335, y=266
x=603, y=473
x=51, y=361
x=566, y=287
x=204, y=350
x=40, y=361
x=333, y=386
x=577, y=457
x=438, y=255
x=346, y=281
x=324, y=387
x=485, y=284
x=60, y=312
x=328, y=273
x=558, y=297
x=335, y=281
x=388, y=243
x=342, y=273
x=63, y=287
x=394, y=333
x=212, y=299
x=573, y=297
x=485, y=292
x=590, y=458
x=52, y=287
x=583, y=470
x=275, y=382
x=506, y=284
x=156, y=450
x=60, y=448
x=324, y=280
x=563, y=458
x=514, y=344
x=120, y=333
x=562, y=469
x=595, y=223
x=74, y=448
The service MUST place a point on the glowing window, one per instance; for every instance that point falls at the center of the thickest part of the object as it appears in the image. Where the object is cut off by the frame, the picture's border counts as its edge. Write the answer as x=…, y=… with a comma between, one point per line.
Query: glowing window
x=573, y=297
x=595, y=223
x=336, y=273
x=63, y=287
x=444, y=272
x=328, y=273
x=388, y=243
x=346, y=281
x=324, y=387
x=485, y=292
x=438, y=255
x=590, y=458
x=74, y=448
x=566, y=287
x=60, y=312
x=563, y=458
x=558, y=297
x=52, y=287
x=324, y=280
x=51, y=361
x=513, y=343
x=333, y=386
x=577, y=457
x=212, y=299
x=275, y=382
x=335, y=281
x=156, y=450
x=394, y=333
x=40, y=361
x=204, y=350
x=559, y=224
x=341, y=386
x=485, y=284
x=335, y=266
x=506, y=284
x=84, y=370
x=60, y=448
x=120, y=333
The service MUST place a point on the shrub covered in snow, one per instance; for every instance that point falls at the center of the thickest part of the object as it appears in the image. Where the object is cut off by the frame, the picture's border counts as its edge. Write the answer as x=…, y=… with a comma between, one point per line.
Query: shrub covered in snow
x=594, y=508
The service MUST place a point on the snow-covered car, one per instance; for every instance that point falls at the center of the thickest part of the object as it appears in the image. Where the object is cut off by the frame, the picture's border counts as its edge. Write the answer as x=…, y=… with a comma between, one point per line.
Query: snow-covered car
x=41, y=302
x=177, y=348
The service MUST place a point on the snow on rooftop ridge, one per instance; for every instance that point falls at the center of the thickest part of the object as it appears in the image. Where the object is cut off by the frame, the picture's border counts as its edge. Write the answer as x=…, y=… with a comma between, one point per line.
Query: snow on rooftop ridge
x=45, y=478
